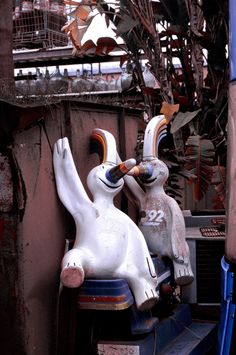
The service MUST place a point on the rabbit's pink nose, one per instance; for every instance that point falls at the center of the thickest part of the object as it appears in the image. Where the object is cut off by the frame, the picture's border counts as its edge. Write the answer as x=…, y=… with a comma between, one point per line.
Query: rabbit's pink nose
x=117, y=172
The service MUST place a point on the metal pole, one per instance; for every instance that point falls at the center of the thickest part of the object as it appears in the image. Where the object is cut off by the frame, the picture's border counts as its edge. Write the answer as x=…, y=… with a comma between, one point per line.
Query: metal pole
x=228, y=263
x=230, y=248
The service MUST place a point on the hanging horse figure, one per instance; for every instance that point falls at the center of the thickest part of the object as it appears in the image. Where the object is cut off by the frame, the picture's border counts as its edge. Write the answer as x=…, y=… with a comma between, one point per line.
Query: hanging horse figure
x=161, y=219
x=108, y=243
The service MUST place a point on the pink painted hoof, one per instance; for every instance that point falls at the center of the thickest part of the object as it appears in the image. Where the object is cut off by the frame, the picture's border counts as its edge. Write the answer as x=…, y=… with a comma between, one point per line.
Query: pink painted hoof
x=72, y=277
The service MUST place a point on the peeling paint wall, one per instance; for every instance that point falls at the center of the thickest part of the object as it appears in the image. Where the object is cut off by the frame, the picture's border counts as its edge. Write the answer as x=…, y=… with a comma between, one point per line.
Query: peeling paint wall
x=43, y=224
x=41, y=235
x=6, y=191
x=9, y=281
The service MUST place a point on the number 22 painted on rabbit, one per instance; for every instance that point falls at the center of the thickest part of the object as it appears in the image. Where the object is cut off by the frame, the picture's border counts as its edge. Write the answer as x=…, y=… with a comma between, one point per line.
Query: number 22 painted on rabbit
x=154, y=217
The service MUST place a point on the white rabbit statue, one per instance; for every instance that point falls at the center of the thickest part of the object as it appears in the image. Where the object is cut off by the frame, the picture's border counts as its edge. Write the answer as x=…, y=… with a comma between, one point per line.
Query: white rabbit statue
x=108, y=243
x=161, y=219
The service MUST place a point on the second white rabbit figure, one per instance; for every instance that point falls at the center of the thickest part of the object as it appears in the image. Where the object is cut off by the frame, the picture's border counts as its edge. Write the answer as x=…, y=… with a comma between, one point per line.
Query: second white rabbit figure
x=108, y=243
x=161, y=220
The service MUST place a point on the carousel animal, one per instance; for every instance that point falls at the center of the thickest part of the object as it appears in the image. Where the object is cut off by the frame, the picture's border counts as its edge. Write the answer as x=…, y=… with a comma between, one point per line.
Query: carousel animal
x=108, y=243
x=160, y=217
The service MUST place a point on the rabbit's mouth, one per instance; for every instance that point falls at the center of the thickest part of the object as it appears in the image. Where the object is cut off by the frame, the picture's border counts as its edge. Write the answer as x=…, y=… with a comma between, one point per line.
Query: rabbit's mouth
x=110, y=187
x=148, y=181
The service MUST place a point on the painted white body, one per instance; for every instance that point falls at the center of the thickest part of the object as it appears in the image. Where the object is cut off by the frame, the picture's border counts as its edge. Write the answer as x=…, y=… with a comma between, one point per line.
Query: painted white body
x=163, y=226
x=108, y=244
x=161, y=219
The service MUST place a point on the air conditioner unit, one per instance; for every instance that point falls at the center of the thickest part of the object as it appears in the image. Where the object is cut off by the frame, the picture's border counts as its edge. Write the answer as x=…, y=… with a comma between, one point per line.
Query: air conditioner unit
x=205, y=256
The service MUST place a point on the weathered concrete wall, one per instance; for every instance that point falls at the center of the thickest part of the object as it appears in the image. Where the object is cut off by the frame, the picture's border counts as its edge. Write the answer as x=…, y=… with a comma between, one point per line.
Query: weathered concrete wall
x=45, y=224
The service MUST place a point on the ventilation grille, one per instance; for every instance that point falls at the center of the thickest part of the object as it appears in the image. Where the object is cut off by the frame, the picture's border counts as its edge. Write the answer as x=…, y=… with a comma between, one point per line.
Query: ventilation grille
x=208, y=270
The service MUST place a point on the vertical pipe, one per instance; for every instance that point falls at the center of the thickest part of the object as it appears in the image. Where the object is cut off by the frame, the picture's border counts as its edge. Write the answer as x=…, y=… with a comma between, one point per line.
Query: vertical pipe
x=232, y=39
x=226, y=344
x=230, y=248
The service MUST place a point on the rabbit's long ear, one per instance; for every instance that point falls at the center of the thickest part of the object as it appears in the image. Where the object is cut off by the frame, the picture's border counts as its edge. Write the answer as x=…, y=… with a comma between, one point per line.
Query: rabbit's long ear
x=108, y=145
x=154, y=132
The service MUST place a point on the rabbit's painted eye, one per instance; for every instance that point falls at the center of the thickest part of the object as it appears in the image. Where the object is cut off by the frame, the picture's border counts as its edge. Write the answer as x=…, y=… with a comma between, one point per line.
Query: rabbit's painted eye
x=103, y=166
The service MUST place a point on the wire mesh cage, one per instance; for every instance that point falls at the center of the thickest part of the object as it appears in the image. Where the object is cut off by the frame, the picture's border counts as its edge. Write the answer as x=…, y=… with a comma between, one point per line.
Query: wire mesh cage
x=39, y=29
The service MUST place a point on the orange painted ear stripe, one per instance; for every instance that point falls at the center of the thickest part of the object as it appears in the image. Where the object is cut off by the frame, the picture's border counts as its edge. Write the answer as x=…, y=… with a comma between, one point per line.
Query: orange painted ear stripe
x=158, y=130
x=101, y=140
